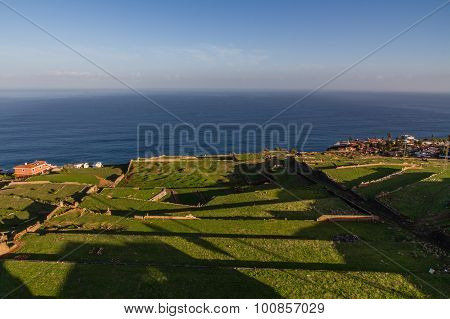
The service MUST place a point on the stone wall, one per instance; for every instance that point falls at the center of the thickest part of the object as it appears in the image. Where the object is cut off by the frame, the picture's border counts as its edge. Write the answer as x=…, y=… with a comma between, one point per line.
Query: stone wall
x=160, y=195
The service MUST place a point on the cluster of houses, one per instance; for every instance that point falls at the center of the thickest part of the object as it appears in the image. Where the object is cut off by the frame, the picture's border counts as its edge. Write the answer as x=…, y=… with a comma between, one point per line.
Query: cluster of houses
x=405, y=145
x=42, y=167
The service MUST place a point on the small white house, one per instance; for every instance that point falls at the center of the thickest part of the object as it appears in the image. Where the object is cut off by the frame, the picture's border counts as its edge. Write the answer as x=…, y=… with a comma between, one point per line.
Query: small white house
x=408, y=138
x=78, y=165
x=98, y=165
x=86, y=165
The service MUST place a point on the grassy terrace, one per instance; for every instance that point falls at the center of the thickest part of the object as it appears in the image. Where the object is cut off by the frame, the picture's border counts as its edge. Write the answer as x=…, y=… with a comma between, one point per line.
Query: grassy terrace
x=354, y=176
x=178, y=174
x=263, y=238
x=424, y=199
x=101, y=203
x=16, y=211
x=20, y=204
x=131, y=193
x=395, y=183
x=421, y=192
x=93, y=176
x=49, y=193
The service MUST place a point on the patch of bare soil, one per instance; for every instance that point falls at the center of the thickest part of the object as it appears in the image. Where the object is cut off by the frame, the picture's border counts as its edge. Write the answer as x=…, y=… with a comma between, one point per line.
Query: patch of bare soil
x=102, y=182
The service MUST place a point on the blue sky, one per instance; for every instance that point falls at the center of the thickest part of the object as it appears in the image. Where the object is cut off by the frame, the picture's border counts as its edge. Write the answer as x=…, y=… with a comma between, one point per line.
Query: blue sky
x=225, y=44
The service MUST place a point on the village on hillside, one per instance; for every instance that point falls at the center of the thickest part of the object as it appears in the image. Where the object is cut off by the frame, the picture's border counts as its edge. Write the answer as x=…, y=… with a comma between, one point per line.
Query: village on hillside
x=405, y=145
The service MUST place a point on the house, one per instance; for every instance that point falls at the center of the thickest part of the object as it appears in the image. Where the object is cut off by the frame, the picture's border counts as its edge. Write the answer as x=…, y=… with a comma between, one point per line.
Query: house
x=98, y=165
x=36, y=168
x=86, y=165
x=409, y=139
x=78, y=165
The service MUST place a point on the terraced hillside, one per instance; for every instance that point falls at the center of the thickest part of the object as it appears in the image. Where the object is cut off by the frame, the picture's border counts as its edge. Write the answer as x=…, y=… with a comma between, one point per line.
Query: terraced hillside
x=418, y=190
x=218, y=231
x=23, y=204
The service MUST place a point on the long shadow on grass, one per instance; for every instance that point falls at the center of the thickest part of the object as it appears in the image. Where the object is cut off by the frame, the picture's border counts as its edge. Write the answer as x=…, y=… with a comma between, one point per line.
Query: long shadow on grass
x=167, y=211
x=198, y=240
x=158, y=269
x=10, y=283
x=153, y=270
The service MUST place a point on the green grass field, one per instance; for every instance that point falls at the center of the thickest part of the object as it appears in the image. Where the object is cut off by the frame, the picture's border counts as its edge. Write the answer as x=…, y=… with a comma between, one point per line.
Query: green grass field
x=178, y=174
x=424, y=199
x=197, y=196
x=264, y=256
x=99, y=202
x=248, y=241
x=350, y=177
x=51, y=193
x=81, y=175
x=407, y=178
x=16, y=211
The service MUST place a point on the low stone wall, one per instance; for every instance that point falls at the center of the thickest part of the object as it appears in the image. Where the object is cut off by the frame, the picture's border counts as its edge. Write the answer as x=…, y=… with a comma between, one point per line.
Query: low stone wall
x=348, y=218
x=160, y=195
x=371, y=164
x=29, y=183
x=187, y=217
x=4, y=184
x=129, y=166
x=34, y=228
x=5, y=249
x=118, y=180
x=93, y=189
x=168, y=158
x=43, y=182
x=52, y=213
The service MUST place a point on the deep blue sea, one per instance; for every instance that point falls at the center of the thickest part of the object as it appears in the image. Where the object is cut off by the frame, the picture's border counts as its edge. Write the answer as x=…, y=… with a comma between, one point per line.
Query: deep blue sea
x=67, y=127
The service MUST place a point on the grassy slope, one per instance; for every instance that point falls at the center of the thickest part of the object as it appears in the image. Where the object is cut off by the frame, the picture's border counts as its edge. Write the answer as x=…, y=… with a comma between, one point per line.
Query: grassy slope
x=90, y=281
x=355, y=269
x=350, y=177
x=181, y=174
x=99, y=202
x=428, y=197
x=82, y=175
x=15, y=211
x=268, y=234
x=46, y=192
x=407, y=178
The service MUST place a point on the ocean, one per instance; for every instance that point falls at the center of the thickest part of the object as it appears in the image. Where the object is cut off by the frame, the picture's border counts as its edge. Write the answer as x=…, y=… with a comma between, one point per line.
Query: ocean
x=76, y=126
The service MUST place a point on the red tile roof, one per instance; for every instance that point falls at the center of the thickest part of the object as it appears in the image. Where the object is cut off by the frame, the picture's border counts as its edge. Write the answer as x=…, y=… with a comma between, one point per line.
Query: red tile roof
x=32, y=165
